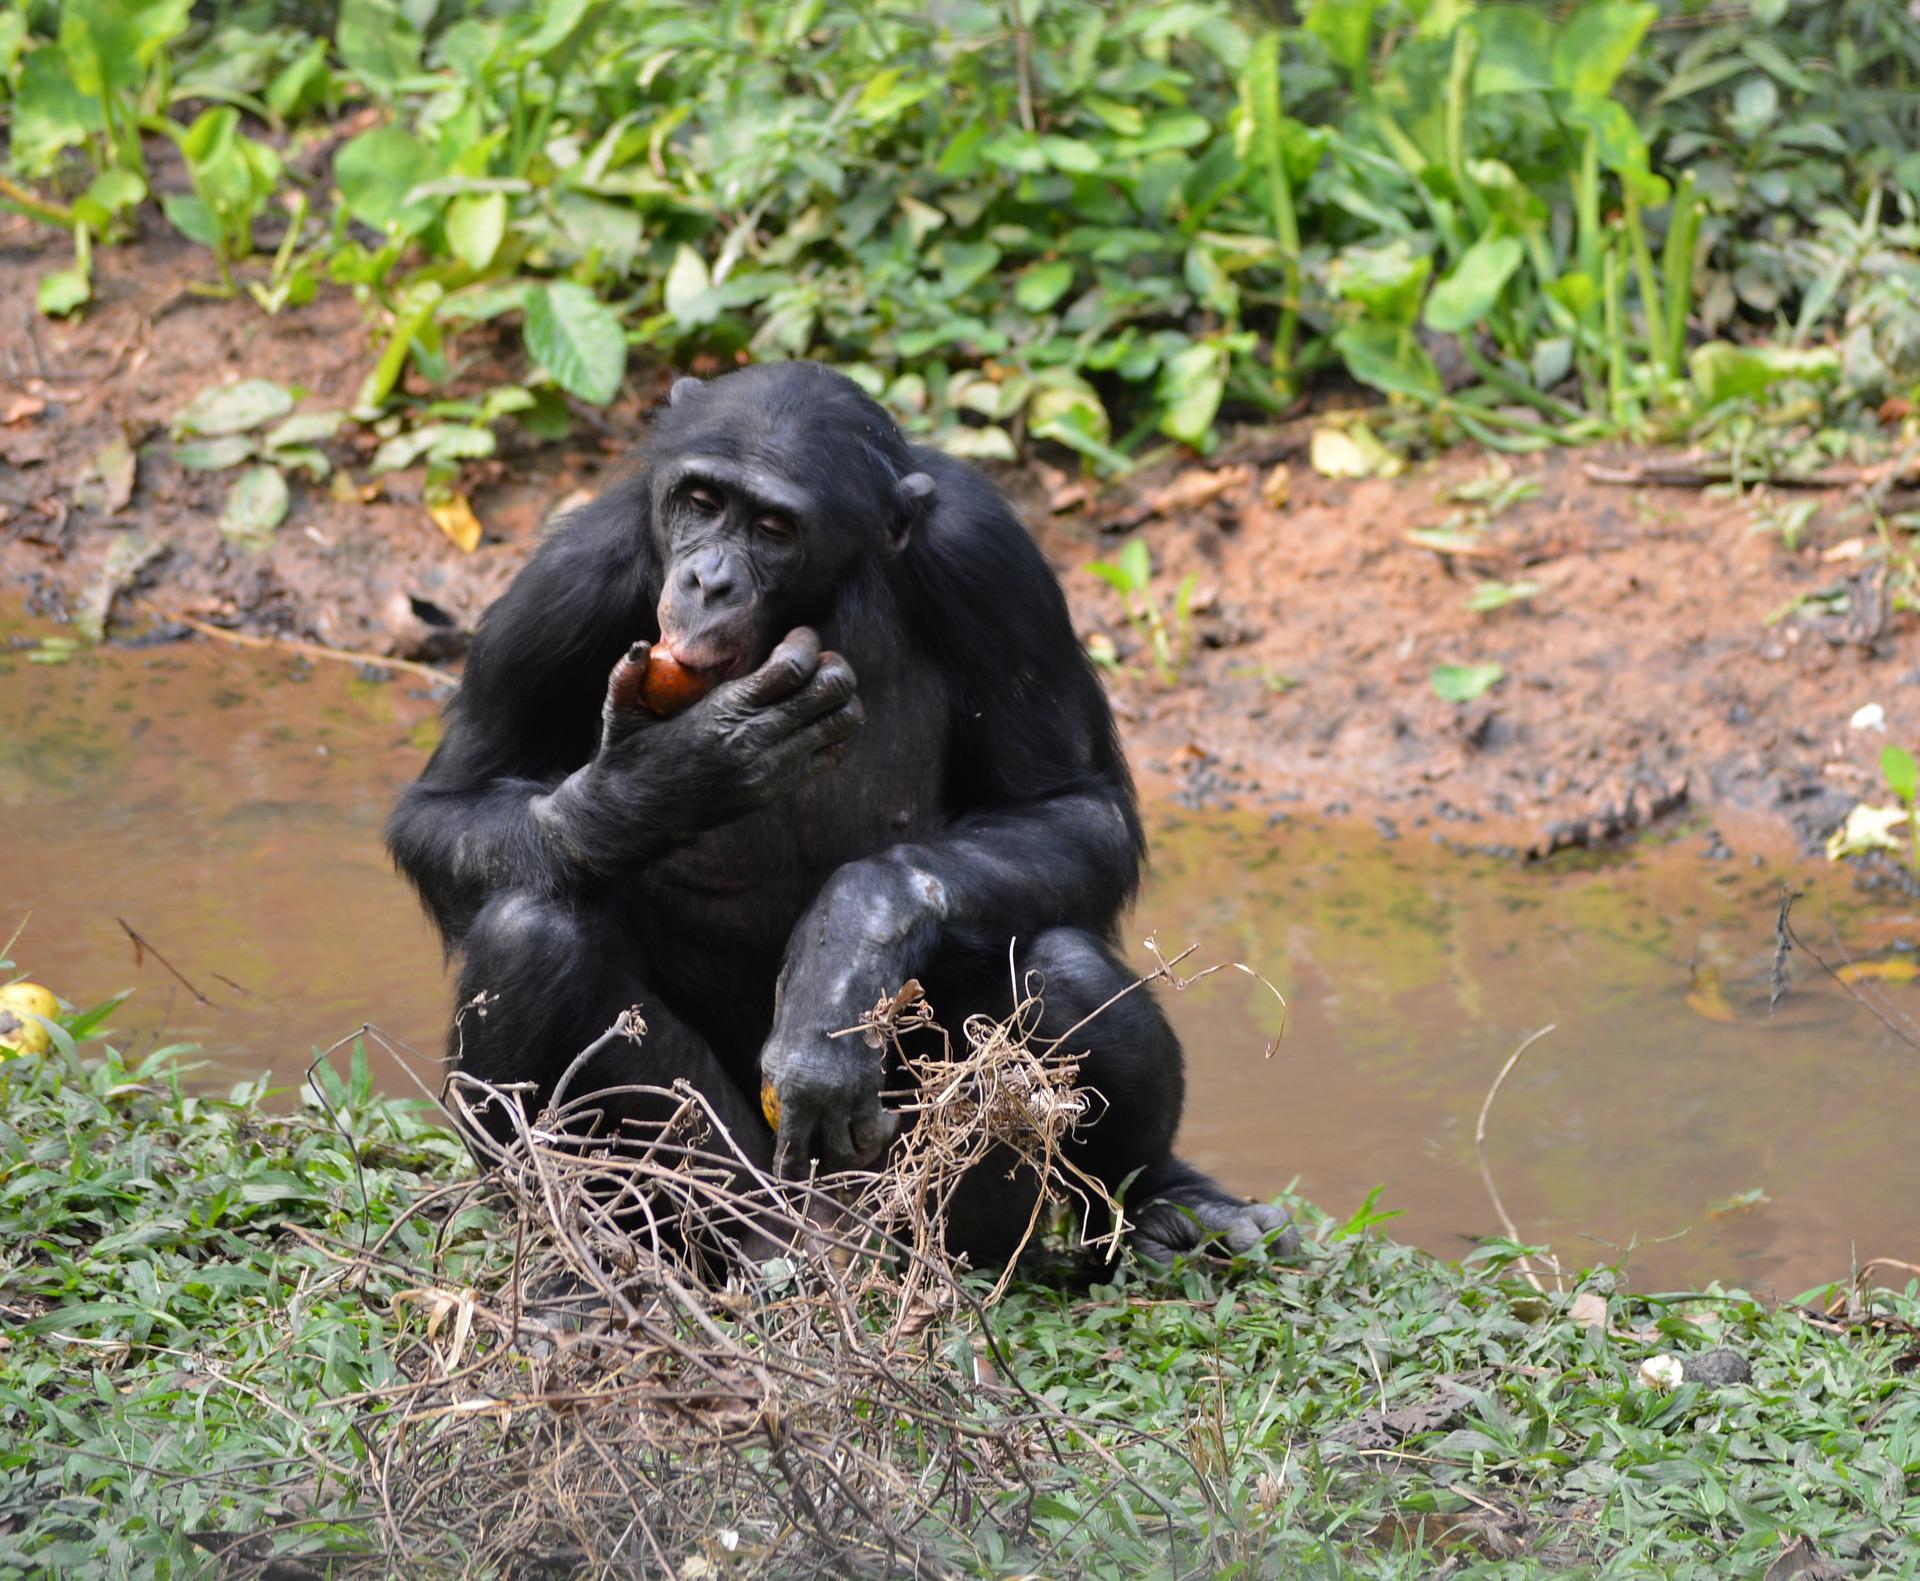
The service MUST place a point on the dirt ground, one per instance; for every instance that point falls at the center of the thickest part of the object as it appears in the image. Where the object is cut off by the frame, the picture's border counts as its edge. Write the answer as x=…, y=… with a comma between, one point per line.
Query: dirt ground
x=1648, y=673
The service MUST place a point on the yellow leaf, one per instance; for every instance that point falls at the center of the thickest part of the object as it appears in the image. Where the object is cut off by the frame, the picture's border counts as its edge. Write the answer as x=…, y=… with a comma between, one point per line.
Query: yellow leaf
x=1896, y=969
x=1335, y=455
x=1706, y=998
x=454, y=517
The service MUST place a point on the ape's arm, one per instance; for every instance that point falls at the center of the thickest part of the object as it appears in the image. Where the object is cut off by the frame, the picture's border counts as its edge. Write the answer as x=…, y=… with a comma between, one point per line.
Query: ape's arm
x=535, y=790
x=1043, y=830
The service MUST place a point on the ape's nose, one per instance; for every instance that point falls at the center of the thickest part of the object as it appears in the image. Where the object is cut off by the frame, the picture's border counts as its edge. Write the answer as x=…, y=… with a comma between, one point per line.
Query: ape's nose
x=713, y=575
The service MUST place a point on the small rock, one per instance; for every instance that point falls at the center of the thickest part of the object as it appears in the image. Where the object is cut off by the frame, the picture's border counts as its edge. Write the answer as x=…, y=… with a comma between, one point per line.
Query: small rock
x=1721, y=1368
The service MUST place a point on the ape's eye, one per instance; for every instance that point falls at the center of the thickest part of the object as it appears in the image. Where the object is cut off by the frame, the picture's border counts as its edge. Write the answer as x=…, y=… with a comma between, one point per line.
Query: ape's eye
x=777, y=528
x=705, y=501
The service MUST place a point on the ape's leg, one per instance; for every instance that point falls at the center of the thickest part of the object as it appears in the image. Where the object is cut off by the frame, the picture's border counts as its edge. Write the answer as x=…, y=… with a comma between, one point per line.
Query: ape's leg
x=556, y=978
x=1128, y=1054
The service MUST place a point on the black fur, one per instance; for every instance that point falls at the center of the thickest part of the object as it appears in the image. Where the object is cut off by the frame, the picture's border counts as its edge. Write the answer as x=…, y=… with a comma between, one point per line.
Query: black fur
x=577, y=867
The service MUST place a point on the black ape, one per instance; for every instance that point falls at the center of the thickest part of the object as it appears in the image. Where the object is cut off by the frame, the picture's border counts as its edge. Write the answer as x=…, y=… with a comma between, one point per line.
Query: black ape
x=755, y=872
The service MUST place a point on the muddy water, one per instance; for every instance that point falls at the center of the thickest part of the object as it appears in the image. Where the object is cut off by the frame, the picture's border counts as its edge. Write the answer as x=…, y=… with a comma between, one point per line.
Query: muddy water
x=227, y=807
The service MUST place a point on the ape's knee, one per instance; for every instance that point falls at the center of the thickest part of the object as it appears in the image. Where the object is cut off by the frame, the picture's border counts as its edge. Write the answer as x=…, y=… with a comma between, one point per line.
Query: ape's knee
x=1077, y=976
x=518, y=933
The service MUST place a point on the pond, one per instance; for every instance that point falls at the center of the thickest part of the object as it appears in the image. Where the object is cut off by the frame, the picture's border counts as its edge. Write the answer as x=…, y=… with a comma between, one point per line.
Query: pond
x=226, y=807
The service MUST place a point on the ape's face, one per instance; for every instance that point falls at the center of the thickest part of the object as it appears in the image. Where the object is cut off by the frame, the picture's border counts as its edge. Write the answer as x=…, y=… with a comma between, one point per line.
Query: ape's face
x=772, y=488
x=747, y=557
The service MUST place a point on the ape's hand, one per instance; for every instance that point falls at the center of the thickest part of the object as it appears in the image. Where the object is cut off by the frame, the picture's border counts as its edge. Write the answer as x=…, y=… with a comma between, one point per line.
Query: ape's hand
x=828, y=1095
x=746, y=743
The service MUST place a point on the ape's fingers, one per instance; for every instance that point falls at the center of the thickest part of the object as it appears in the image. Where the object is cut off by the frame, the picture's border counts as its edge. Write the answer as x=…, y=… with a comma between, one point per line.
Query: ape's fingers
x=817, y=747
x=871, y=1132
x=789, y=667
x=628, y=676
x=832, y=686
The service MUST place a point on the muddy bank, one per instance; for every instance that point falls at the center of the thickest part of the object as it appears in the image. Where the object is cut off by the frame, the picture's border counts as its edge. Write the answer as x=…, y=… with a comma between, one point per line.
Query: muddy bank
x=1649, y=669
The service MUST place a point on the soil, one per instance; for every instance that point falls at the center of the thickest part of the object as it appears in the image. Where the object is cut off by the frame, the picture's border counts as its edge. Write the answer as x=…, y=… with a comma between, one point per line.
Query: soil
x=1647, y=674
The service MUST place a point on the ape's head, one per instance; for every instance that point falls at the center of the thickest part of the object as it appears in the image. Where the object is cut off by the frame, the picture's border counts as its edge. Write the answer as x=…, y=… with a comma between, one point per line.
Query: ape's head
x=770, y=487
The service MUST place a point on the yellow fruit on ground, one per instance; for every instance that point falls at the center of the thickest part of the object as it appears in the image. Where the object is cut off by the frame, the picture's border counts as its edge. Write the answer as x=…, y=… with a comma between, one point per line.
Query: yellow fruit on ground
x=19, y=1004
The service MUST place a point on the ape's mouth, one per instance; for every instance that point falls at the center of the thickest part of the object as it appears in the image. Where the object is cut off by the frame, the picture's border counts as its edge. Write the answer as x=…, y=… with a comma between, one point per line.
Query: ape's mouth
x=708, y=660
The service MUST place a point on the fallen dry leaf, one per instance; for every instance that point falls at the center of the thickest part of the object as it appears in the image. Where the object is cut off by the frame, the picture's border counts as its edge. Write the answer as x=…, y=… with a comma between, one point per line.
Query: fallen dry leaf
x=20, y=407
x=1276, y=488
x=454, y=517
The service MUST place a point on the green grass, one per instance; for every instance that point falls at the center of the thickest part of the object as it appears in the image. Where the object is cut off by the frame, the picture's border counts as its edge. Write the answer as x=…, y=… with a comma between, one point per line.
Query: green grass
x=181, y=1355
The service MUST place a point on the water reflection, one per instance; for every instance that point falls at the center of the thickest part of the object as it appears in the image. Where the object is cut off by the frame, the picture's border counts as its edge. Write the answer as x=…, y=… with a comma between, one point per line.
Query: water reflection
x=229, y=807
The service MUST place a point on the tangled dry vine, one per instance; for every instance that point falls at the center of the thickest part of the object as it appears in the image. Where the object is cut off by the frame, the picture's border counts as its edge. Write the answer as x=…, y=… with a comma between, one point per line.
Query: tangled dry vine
x=689, y=1367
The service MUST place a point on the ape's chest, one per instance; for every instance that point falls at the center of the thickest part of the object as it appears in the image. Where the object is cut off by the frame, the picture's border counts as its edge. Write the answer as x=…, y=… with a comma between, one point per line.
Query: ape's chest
x=750, y=880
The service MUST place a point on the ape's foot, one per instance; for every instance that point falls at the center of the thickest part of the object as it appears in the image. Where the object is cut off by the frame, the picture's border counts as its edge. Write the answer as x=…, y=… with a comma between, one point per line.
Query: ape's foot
x=1190, y=1213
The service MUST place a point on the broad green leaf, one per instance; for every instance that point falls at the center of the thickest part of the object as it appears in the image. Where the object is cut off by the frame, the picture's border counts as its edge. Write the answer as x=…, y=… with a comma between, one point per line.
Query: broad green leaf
x=1595, y=44
x=109, y=44
x=376, y=171
x=213, y=455
x=1755, y=104
x=1462, y=683
x=558, y=19
x=476, y=225
x=1391, y=361
x=303, y=428
x=1344, y=26
x=48, y=113
x=60, y=292
x=1388, y=281
x=577, y=339
x=107, y=194
x=1516, y=49
x=1043, y=285
x=378, y=42
x=690, y=296
x=1723, y=371
x=1902, y=773
x=233, y=409
x=256, y=505
x=191, y=218
x=434, y=442
x=1190, y=388
x=1136, y=563
x=1460, y=301
x=1065, y=153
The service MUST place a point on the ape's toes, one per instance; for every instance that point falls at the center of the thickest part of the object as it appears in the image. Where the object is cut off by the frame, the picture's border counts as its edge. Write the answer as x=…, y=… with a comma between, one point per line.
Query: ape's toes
x=1171, y=1227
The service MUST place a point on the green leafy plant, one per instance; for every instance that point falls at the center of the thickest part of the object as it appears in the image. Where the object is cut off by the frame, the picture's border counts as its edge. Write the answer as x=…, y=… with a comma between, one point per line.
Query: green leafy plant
x=1166, y=635
x=1902, y=775
x=1462, y=683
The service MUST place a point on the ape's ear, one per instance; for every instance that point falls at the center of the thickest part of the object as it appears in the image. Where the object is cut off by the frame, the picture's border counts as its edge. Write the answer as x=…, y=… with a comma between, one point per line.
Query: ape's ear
x=682, y=388
x=914, y=497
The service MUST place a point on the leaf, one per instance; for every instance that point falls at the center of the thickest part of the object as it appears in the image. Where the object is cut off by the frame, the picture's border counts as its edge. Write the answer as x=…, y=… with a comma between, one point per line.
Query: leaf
x=1343, y=26
x=1891, y=969
x=447, y=442
x=1870, y=829
x=1516, y=50
x=1902, y=773
x=377, y=41
x=1390, y=361
x=233, y=409
x=1707, y=996
x=577, y=339
x=108, y=484
x=62, y=291
x=1462, y=683
x=476, y=225
x=1190, y=388
x=1351, y=452
x=1451, y=540
x=1043, y=285
x=1136, y=563
x=1723, y=371
x=256, y=505
x=690, y=296
x=1471, y=289
x=1595, y=44
x=303, y=428
x=376, y=171
x=454, y=517
x=213, y=455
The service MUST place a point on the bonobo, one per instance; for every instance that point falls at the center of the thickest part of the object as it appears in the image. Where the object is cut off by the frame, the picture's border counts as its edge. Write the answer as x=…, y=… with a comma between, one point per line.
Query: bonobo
x=904, y=765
